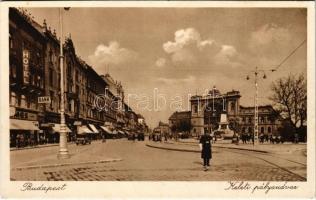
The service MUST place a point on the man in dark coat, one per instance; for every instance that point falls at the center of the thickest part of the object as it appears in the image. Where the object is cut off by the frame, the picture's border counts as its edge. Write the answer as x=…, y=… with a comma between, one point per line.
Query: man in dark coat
x=206, y=151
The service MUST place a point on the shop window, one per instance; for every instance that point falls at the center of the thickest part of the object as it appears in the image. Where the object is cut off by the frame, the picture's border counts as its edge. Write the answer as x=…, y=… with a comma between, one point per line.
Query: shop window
x=269, y=129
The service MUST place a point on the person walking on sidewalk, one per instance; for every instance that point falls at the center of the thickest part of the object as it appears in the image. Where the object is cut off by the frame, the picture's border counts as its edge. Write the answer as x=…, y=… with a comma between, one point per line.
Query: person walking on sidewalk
x=206, y=151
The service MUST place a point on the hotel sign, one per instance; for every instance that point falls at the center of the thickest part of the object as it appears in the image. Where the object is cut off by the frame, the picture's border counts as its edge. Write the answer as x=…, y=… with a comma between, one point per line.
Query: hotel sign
x=44, y=99
x=26, y=69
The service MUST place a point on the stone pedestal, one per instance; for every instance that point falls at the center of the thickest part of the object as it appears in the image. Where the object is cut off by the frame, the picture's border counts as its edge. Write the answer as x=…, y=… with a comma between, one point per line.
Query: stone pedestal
x=224, y=127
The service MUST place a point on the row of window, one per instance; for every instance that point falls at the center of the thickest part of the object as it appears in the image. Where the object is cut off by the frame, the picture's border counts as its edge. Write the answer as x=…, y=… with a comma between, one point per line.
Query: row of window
x=215, y=107
x=23, y=101
x=261, y=119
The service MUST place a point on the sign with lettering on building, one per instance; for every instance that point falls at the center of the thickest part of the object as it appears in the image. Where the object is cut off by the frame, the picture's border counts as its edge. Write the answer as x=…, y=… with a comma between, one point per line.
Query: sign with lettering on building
x=26, y=70
x=44, y=99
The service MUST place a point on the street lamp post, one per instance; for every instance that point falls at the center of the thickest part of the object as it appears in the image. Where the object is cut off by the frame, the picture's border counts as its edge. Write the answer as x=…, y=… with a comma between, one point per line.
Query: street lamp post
x=256, y=125
x=63, y=150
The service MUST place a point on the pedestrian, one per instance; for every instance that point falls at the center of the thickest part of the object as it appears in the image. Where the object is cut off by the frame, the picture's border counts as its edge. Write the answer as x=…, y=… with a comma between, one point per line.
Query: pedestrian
x=103, y=137
x=206, y=151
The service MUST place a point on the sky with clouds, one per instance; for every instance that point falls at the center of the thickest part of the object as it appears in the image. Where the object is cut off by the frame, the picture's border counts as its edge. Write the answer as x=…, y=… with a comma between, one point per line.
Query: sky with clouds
x=183, y=51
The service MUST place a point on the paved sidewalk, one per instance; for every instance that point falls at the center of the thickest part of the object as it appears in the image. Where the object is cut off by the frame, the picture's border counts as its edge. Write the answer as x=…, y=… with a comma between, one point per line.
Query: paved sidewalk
x=35, y=146
x=47, y=157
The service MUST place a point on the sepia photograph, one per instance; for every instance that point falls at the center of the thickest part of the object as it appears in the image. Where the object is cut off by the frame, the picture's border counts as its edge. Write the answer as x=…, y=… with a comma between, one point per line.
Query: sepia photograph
x=156, y=94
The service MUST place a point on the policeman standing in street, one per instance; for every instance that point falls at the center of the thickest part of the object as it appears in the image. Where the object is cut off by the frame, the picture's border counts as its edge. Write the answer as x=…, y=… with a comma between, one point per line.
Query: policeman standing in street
x=206, y=151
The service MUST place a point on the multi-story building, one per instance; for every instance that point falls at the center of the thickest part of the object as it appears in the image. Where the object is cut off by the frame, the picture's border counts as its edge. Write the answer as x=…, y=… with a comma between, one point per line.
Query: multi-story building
x=207, y=111
x=34, y=55
x=27, y=68
x=269, y=120
x=116, y=95
x=95, y=89
x=52, y=86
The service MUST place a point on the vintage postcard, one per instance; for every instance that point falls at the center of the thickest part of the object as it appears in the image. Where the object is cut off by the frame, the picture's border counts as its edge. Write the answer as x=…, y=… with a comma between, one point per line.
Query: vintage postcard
x=157, y=99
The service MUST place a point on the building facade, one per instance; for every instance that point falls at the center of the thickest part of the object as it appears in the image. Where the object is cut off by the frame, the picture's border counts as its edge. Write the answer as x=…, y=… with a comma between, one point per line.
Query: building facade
x=206, y=110
x=27, y=70
x=209, y=111
x=34, y=65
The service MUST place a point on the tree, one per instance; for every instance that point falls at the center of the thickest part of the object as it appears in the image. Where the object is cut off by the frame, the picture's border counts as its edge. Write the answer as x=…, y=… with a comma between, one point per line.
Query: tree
x=290, y=97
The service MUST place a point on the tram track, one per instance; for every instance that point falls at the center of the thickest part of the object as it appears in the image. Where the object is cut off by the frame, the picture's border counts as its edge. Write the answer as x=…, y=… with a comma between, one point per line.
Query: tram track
x=267, y=157
x=271, y=163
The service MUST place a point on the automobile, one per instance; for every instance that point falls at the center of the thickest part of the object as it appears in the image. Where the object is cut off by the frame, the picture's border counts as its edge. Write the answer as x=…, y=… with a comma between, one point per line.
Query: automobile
x=140, y=137
x=131, y=137
x=83, y=139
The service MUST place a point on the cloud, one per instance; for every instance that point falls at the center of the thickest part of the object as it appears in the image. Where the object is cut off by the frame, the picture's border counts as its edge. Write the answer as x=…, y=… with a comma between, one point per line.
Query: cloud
x=227, y=56
x=160, y=62
x=111, y=54
x=187, y=43
x=189, y=49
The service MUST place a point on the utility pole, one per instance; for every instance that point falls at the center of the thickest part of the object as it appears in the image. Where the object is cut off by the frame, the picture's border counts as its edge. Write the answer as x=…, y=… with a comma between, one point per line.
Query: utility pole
x=256, y=113
x=63, y=150
x=256, y=109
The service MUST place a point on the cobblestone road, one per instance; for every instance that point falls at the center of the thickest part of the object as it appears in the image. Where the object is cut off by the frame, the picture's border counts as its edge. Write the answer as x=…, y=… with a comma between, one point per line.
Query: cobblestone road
x=141, y=163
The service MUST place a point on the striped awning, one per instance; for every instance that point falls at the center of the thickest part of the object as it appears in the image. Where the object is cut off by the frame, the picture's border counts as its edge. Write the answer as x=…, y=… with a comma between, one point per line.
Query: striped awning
x=106, y=129
x=83, y=130
x=93, y=128
x=17, y=124
x=56, y=128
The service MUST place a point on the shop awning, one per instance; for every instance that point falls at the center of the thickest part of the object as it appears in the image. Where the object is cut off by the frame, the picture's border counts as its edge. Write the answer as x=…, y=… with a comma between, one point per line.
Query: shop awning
x=93, y=128
x=56, y=128
x=106, y=129
x=17, y=124
x=121, y=132
x=83, y=130
x=77, y=123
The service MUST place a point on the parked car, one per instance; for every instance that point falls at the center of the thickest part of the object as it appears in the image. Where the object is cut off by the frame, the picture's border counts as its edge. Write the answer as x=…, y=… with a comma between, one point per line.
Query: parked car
x=131, y=137
x=83, y=139
x=140, y=137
